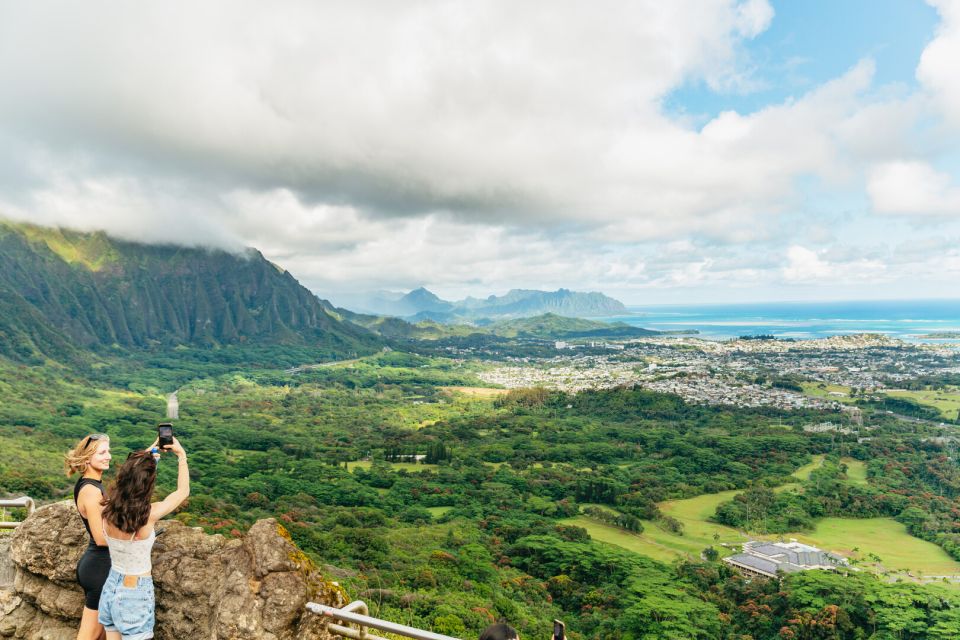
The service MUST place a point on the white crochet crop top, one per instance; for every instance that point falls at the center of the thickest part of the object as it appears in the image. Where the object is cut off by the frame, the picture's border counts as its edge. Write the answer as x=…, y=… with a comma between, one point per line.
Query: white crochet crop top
x=131, y=557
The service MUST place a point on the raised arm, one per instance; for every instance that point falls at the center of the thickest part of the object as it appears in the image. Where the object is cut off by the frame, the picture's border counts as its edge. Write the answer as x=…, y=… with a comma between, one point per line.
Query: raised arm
x=172, y=501
x=88, y=503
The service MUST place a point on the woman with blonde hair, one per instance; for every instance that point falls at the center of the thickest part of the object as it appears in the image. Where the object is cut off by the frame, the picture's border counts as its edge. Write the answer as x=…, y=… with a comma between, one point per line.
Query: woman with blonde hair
x=127, y=602
x=90, y=458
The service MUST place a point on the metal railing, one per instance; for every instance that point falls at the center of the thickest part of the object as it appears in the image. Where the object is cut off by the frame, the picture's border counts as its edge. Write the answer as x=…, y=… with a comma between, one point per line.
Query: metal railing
x=16, y=503
x=356, y=613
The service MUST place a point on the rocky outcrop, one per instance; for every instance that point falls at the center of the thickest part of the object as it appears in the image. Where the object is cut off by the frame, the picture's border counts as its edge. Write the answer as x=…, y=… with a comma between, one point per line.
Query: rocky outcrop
x=6, y=566
x=207, y=586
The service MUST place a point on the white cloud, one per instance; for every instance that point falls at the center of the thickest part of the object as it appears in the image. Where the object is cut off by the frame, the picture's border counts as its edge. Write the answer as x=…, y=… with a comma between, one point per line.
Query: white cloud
x=131, y=208
x=937, y=70
x=492, y=111
x=912, y=187
x=805, y=266
x=453, y=143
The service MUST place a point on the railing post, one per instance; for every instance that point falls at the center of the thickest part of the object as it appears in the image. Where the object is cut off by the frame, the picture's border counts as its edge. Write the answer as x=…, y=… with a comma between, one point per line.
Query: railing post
x=356, y=613
x=23, y=502
x=7, y=571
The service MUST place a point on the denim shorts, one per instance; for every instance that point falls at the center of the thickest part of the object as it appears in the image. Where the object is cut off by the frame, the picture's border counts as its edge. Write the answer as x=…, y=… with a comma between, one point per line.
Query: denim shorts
x=127, y=610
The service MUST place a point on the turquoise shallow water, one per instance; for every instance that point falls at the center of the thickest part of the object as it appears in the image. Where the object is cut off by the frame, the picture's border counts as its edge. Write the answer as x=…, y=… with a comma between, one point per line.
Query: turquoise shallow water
x=907, y=320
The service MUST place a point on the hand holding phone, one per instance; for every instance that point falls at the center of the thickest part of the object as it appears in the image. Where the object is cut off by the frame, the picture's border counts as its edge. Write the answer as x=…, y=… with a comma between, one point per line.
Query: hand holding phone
x=559, y=630
x=165, y=435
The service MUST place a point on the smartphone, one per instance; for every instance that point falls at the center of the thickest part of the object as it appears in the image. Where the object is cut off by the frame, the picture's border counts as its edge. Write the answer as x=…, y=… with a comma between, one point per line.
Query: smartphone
x=165, y=434
x=558, y=630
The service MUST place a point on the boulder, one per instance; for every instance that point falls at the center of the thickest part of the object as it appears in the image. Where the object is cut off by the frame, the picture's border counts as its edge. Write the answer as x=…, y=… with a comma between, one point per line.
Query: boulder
x=6, y=565
x=207, y=586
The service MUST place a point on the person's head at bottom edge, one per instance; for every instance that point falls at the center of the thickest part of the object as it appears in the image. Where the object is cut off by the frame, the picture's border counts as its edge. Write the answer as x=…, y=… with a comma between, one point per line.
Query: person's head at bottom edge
x=499, y=631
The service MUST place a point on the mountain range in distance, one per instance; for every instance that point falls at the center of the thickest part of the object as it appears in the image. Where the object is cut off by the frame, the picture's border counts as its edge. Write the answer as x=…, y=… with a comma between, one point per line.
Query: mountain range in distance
x=422, y=304
x=65, y=294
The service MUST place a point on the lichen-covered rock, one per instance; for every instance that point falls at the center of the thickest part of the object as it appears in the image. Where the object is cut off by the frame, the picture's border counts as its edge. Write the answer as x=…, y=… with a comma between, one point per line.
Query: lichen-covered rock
x=50, y=542
x=207, y=586
x=6, y=565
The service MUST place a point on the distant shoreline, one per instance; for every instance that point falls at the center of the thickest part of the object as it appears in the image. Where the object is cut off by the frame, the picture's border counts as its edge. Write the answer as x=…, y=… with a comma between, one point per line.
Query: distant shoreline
x=913, y=321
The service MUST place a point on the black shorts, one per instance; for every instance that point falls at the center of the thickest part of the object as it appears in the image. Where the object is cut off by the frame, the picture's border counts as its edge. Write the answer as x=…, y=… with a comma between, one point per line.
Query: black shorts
x=92, y=572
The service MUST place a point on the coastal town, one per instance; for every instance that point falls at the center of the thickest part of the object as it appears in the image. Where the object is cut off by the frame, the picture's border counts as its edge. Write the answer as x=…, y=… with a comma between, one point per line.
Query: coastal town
x=746, y=372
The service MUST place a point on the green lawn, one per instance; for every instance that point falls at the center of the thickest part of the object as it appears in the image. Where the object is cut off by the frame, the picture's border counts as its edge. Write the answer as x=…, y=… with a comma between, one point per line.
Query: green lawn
x=851, y=538
x=660, y=544
x=947, y=401
x=856, y=473
x=697, y=509
x=884, y=537
x=856, y=470
x=834, y=392
x=803, y=473
x=653, y=542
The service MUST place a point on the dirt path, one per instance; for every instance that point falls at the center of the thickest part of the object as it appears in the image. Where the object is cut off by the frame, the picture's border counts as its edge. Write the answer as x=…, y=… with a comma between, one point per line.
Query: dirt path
x=173, y=406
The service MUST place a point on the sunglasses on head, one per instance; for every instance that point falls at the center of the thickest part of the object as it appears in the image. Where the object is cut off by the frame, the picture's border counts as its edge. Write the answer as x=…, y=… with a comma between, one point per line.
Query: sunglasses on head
x=96, y=436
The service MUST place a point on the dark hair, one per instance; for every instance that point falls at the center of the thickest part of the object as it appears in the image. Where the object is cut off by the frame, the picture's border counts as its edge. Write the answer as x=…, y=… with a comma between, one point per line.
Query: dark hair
x=127, y=503
x=499, y=631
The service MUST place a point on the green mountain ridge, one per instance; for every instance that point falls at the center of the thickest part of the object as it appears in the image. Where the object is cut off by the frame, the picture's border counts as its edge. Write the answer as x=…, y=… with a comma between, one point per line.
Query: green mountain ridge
x=551, y=325
x=63, y=291
x=547, y=326
x=421, y=304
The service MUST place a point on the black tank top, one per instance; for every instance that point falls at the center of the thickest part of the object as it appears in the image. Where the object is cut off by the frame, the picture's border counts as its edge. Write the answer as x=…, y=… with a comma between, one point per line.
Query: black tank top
x=81, y=483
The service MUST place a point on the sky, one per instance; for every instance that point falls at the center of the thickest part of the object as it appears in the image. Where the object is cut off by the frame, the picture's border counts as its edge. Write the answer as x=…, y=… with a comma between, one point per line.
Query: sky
x=660, y=152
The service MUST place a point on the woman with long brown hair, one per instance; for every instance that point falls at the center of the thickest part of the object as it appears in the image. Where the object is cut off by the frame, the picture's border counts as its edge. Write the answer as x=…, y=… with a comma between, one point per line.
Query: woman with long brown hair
x=127, y=601
x=90, y=458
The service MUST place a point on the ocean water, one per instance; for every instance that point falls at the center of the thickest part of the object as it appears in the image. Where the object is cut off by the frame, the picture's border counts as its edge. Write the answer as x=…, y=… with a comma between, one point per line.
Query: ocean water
x=909, y=320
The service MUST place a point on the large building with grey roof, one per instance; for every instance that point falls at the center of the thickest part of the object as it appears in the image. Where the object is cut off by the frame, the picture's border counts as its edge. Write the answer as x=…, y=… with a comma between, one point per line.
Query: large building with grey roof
x=772, y=559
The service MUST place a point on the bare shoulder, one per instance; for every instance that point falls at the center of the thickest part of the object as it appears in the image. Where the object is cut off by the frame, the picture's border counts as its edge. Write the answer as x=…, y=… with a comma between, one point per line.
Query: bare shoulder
x=89, y=492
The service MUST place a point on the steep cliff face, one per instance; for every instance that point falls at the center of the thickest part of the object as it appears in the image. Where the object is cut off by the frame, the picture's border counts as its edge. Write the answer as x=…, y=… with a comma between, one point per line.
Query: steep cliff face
x=61, y=290
x=206, y=586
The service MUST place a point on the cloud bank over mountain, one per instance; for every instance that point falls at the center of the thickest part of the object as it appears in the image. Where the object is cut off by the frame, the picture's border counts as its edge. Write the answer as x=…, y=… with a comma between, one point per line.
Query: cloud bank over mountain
x=471, y=146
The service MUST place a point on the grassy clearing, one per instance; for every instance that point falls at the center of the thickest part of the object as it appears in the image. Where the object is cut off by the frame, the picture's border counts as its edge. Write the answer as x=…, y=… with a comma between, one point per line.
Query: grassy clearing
x=476, y=392
x=803, y=473
x=946, y=401
x=856, y=470
x=641, y=543
x=697, y=509
x=660, y=544
x=834, y=392
x=698, y=531
x=436, y=512
x=856, y=473
x=884, y=537
x=858, y=539
x=396, y=466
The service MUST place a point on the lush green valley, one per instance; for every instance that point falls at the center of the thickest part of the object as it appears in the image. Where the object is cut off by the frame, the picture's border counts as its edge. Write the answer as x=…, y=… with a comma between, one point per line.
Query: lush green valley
x=482, y=530
x=446, y=503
